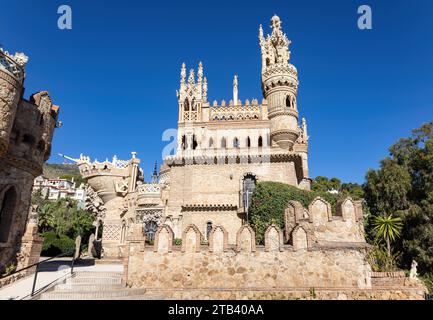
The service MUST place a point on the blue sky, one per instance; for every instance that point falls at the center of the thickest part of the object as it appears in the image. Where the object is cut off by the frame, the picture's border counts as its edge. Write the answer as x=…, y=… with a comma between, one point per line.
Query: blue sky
x=115, y=73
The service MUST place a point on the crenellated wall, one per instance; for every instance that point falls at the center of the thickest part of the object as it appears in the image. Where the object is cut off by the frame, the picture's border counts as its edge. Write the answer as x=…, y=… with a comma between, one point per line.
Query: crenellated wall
x=244, y=265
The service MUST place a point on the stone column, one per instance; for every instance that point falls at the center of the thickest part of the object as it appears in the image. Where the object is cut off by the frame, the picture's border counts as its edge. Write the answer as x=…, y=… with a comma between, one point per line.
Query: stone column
x=134, y=244
x=31, y=248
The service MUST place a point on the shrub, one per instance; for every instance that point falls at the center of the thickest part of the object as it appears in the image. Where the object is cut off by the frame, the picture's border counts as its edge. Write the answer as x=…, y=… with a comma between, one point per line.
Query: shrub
x=54, y=245
x=270, y=199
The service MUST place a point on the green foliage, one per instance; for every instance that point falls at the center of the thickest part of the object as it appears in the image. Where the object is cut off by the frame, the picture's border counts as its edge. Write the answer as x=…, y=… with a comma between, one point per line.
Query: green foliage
x=270, y=199
x=57, y=244
x=9, y=269
x=324, y=184
x=61, y=222
x=78, y=179
x=387, y=228
x=177, y=242
x=403, y=187
x=380, y=259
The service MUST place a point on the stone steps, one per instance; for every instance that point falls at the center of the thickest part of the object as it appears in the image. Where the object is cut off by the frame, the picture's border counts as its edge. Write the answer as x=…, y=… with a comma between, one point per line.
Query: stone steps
x=88, y=287
x=92, y=295
x=108, y=261
x=85, y=285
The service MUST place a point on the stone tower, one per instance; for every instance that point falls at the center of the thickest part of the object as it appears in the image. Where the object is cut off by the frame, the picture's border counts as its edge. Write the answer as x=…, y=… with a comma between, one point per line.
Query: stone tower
x=11, y=87
x=26, y=132
x=192, y=96
x=279, y=86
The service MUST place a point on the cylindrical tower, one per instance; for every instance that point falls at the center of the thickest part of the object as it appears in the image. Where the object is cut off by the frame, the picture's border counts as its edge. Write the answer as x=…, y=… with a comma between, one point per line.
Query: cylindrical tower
x=11, y=86
x=279, y=86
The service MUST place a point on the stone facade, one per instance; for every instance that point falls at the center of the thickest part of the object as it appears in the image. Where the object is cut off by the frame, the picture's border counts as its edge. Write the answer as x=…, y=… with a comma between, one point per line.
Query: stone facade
x=222, y=150
x=26, y=131
x=201, y=195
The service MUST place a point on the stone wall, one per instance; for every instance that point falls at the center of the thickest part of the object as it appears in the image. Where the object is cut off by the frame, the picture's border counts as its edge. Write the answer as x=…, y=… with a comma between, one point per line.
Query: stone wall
x=243, y=266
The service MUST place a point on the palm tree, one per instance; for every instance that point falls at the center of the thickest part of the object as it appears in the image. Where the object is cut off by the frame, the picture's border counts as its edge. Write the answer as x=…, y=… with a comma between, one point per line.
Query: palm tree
x=387, y=228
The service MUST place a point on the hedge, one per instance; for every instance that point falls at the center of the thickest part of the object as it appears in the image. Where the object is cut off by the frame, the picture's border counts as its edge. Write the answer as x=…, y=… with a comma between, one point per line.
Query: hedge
x=54, y=245
x=270, y=199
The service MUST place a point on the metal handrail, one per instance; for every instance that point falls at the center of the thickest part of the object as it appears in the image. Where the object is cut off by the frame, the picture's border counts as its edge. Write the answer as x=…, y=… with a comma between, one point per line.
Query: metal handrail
x=35, y=264
x=42, y=262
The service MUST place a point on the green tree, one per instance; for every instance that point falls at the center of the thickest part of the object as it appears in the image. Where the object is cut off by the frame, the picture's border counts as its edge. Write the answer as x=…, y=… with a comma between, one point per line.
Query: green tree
x=403, y=187
x=387, y=229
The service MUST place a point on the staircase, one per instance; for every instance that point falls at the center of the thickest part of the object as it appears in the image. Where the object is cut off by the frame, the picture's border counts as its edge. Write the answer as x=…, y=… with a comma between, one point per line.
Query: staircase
x=92, y=285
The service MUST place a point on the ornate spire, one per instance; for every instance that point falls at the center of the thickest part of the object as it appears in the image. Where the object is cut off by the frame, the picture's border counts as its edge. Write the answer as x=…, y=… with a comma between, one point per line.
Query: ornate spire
x=191, y=77
x=200, y=72
x=155, y=174
x=235, y=90
x=182, y=75
x=205, y=89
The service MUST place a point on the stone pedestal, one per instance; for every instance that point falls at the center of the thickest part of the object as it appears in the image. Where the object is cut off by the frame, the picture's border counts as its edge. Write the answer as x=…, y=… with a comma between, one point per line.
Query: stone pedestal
x=31, y=248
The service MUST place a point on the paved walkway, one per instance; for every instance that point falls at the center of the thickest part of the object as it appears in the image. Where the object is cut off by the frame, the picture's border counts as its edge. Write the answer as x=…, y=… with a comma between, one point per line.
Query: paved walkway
x=49, y=273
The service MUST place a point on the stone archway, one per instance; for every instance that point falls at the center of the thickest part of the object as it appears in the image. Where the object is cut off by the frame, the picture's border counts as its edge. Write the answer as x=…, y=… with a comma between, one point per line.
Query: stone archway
x=7, y=209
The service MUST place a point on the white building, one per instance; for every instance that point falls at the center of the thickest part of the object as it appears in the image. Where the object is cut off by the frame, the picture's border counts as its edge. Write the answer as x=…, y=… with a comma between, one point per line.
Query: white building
x=54, y=189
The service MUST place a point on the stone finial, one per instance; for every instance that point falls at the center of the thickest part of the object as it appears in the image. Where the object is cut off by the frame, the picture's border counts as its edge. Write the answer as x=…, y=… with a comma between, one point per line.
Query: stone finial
x=275, y=23
x=191, y=77
x=304, y=127
x=223, y=103
x=200, y=72
x=183, y=74
x=260, y=32
x=235, y=90
x=215, y=103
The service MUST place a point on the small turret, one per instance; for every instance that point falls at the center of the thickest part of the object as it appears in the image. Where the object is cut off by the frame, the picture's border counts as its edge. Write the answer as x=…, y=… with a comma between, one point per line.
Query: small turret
x=11, y=86
x=279, y=86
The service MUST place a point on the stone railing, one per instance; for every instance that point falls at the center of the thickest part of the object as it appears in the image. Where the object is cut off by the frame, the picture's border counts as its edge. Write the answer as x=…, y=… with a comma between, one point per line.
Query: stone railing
x=149, y=189
x=13, y=64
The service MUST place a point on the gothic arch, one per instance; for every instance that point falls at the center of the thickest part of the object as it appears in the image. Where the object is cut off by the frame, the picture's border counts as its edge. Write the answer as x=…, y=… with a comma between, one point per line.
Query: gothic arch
x=236, y=143
x=186, y=104
x=223, y=143
x=8, y=206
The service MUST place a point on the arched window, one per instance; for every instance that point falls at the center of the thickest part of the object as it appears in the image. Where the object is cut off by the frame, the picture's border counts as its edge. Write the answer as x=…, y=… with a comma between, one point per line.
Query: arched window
x=193, y=105
x=194, y=142
x=268, y=62
x=210, y=143
x=288, y=102
x=223, y=143
x=248, y=142
x=150, y=230
x=236, y=143
x=7, y=210
x=186, y=104
x=248, y=186
x=209, y=227
x=260, y=143
x=183, y=142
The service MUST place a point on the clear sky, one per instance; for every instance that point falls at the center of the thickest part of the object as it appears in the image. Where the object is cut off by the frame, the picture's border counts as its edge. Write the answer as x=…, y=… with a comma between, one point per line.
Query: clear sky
x=115, y=73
